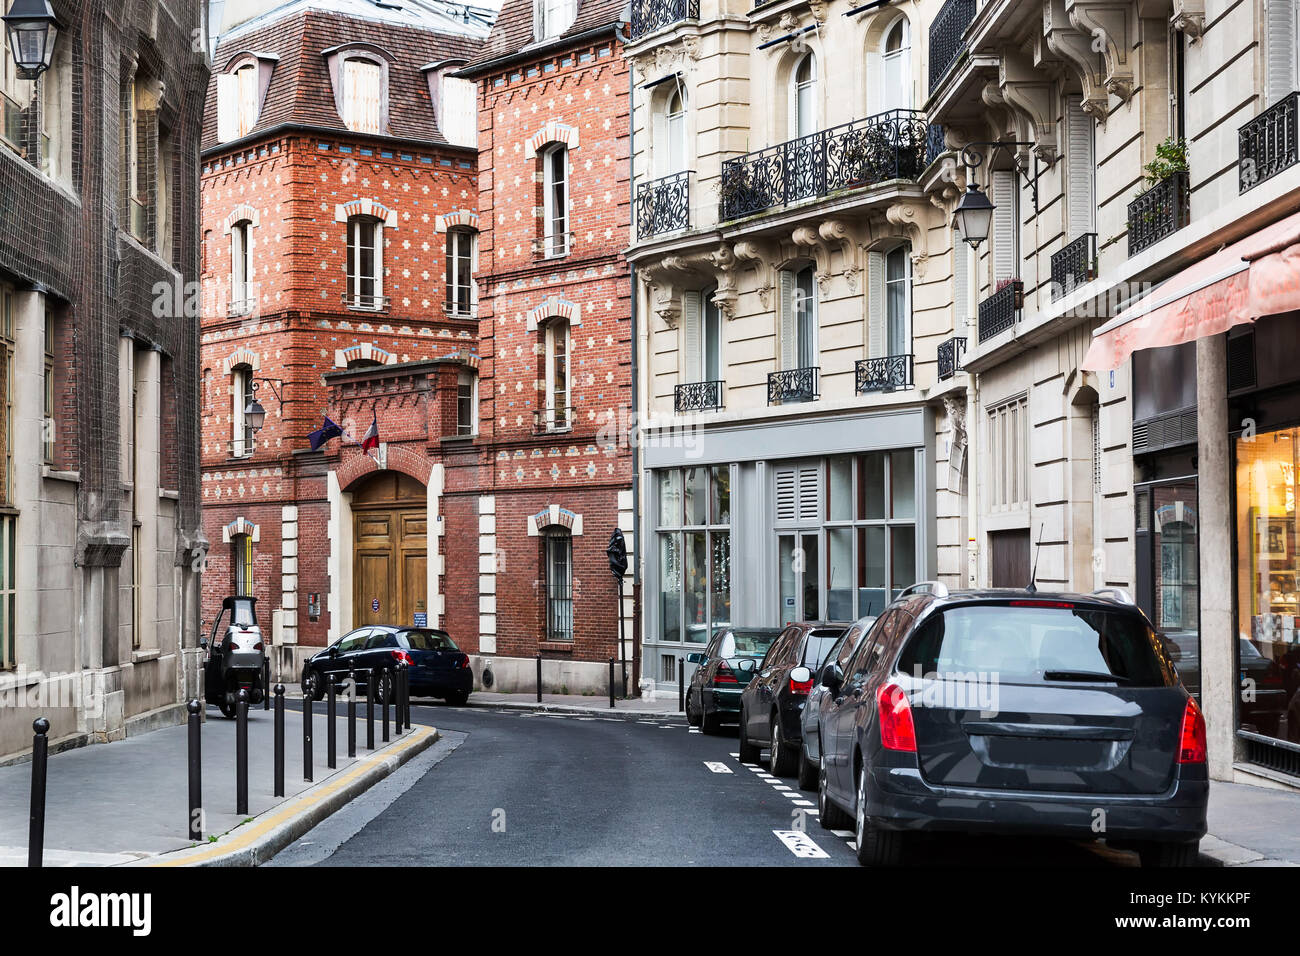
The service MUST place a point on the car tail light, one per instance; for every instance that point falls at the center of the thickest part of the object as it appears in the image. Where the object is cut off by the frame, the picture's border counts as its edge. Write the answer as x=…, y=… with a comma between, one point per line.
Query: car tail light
x=402, y=656
x=801, y=687
x=257, y=646
x=1192, y=749
x=462, y=661
x=724, y=675
x=1065, y=604
x=897, y=732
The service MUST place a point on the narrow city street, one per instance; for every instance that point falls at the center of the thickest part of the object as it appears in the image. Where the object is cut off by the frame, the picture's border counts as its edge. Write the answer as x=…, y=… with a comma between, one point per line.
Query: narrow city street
x=508, y=787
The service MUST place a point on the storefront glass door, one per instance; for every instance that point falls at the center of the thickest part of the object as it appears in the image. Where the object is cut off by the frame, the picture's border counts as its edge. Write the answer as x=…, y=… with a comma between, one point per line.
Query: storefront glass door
x=1169, y=569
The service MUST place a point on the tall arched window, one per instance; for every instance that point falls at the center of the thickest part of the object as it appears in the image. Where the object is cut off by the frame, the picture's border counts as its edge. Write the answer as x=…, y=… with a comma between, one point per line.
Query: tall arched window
x=241, y=268
x=365, y=263
x=675, y=122
x=460, y=272
x=241, y=563
x=557, y=555
x=558, y=395
x=897, y=58
x=803, y=97
x=898, y=301
x=555, y=200
x=241, y=438
x=805, y=317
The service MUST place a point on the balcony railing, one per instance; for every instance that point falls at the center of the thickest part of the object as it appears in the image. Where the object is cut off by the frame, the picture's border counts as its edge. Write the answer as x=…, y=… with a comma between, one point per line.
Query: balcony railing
x=651, y=15
x=864, y=152
x=458, y=310
x=935, y=144
x=697, y=397
x=948, y=37
x=1074, y=265
x=1267, y=144
x=949, y=356
x=548, y=421
x=553, y=247
x=793, y=385
x=1001, y=310
x=663, y=205
x=365, y=303
x=1159, y=212
x=887, y=373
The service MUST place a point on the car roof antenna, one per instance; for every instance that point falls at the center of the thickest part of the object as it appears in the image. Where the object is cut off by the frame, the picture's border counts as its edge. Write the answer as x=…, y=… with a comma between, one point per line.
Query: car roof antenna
x=1033, y=574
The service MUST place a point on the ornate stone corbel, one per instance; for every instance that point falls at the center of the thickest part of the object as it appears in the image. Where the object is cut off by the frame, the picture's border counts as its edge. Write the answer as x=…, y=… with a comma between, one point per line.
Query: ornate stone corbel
x=905, y=216
x=757, y=255
x=999, y=116
x=807, y=238
x=727, y=294
x=691, y=46
x=1189, y=18
x=1030, y=95
x=1106, y=24
x=835, y=233
x=818, y=8
x=666, y=304
x=1075, y=50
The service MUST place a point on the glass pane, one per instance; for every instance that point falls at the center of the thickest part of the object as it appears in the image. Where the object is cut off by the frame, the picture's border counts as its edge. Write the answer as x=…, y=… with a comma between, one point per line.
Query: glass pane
x=811, y=580
x=697, y=496
x=670, y=587
x=697, y=566
x=902, y=557
x=839, y=574
x=712, y=341
x=670, y=499
x=871, y=486
x=722, y=495
x=789, y=579
x=871, y=571
x=719, y=578
x=902, y=484
x=839, y=488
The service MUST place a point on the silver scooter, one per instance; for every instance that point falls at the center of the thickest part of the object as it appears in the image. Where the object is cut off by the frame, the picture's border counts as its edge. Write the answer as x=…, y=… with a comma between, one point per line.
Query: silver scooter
x=236, y=661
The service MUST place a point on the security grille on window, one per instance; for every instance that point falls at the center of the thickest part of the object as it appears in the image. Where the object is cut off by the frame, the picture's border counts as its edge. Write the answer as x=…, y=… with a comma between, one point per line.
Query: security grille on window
x=363, y=96
x=241, y=563
x=558, y=411
x=1008, y=459
x=555, y=163
x=558, y=556
x=460, y=272
x=241, y=268
x=694, y=545
x=365, y=288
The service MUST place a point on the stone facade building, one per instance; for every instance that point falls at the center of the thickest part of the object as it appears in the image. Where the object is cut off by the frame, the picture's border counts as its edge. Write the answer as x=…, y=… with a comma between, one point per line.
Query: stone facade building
x=100, y=537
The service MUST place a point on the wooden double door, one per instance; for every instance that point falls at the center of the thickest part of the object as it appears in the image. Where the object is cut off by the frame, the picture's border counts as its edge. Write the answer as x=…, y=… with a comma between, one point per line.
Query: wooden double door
x=390, y=559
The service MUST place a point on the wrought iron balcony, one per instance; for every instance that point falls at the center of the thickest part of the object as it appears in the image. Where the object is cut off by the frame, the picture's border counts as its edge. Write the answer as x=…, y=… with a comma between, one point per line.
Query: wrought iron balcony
x=950, y=355
x=864, y=152
x=1159, y=212
x=948, y=37
x=1074, y=265
x=793, y=385
x=1267, y=144
x=887, y=373
x=935, y=145
x=1001, y=310
x=697, y=397
x=663, y=205
x=651, y=15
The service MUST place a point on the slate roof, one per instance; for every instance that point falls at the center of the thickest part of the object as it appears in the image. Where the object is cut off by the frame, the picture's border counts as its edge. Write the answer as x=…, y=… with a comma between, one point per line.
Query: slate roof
x=300, y=91
x=513, y=31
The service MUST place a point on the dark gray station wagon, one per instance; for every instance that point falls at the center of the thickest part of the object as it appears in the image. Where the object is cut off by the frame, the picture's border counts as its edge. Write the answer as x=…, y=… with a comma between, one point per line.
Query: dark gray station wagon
x=1013, y=712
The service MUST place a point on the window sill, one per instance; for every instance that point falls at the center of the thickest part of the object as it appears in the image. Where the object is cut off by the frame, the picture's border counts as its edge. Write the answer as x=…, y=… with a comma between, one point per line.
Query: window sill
x=169, y=494
x=53, y=474
x=563, y=647
x=139, y=657
x=454, y=439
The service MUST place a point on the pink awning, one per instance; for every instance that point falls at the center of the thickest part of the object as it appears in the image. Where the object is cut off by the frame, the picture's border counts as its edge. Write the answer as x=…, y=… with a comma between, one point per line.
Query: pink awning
x=1253, y=277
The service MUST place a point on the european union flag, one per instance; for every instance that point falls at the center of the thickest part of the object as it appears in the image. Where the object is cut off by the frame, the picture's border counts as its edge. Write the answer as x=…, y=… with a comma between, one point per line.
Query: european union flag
x=323, y=434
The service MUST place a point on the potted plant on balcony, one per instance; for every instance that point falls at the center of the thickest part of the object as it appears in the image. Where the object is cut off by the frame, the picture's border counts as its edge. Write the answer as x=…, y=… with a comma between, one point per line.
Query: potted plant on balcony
x=1018, y=295
x=735, y=190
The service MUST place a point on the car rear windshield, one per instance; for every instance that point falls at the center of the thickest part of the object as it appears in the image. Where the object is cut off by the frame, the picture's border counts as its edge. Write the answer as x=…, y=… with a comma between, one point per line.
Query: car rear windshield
x=748, y=642
x=1037, y=644
x=818, y=646
x=429, y=641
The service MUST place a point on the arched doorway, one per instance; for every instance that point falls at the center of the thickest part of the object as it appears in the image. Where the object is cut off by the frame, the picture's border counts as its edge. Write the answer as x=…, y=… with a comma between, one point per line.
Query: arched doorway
x=390, y=551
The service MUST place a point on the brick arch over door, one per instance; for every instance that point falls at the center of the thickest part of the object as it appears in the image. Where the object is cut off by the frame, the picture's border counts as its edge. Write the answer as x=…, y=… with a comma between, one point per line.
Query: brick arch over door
x=408, y=462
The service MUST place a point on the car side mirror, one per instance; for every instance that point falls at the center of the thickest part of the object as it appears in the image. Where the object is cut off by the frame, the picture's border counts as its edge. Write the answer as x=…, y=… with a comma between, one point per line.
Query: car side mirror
x=334, y=651
x=746, y=665
x=695, y=658
x=800, y=675
x=832, y=677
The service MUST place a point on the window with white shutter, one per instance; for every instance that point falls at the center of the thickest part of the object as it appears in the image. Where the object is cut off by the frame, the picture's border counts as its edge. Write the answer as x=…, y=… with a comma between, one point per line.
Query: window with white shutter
x=785, y=308
x=961, y=284
x=787, y=494
x=458, y=102
x=363, y=82
x=1080, y=169
x=1280, y=48
x=1006, y=224
x=692, y=326
x=553, y=17
x=875, y=304
x=248, y=98
x=810, y=492
x=227, y=107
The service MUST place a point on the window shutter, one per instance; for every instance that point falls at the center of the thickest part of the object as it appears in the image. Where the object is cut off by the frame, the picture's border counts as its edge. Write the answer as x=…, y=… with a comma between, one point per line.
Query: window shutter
x=960, y=285
x=809, y=493
x=1080, y=168
x=227, y=107
x=362, y=96
x=247, y=99
x=538, y=20
x=786, y=493
x=1004, y=224
x=236, y=261
x=785, y=309
x=875, y=304
x=459, y=120
x=1280, y=49
x=692, y=321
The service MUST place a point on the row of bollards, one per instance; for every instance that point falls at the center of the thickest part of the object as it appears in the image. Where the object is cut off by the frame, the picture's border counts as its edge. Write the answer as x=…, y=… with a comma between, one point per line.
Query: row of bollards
x=394, y=684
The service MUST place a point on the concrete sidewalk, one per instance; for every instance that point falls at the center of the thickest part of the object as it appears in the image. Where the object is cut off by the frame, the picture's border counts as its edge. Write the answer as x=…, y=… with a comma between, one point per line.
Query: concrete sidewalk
x=127, y=801
x=1252, y=826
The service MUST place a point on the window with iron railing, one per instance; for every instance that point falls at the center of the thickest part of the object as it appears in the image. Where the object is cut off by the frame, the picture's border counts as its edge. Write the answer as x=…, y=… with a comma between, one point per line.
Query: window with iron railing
x=651, y=15
x=948, y=37
x=1267, y=144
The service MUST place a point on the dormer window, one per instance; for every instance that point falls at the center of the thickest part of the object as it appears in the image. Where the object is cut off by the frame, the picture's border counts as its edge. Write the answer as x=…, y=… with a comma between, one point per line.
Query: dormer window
x=363, y=95
x=239, y=95
x=553, y=17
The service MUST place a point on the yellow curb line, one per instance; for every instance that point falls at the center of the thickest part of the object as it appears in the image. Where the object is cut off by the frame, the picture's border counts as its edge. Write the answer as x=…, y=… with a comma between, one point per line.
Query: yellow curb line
x=266, y=824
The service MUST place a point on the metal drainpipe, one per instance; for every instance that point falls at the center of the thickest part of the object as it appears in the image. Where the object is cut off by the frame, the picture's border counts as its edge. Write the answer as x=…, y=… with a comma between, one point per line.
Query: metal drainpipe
x=635, y=373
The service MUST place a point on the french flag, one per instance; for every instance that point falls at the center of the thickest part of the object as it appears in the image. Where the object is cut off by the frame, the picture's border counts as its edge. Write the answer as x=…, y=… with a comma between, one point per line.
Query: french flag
x=371, y=438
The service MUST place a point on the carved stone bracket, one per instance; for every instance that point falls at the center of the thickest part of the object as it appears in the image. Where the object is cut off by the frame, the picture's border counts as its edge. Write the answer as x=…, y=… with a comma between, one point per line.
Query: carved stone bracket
x=1107, y=26
x=836, y=234
x=1075, y=50
x=807, y=239
x=1031, y=96
x=1189, y=18
x=758, y=255
x=906, y=217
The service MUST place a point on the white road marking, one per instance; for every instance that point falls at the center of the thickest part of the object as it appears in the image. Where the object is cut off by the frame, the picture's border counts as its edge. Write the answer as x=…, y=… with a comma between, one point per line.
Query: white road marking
x=846, y=834
x=801, y=844
x=737, y=756
x=804, y=803
x=693, y=730
x=717, y=766
x=780, y=786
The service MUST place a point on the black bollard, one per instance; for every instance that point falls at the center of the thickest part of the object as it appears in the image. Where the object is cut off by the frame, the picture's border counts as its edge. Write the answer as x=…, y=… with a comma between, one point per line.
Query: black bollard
x=352, y=712
x=36, y=828
x=400, y=692
x=370, y=709
x=306, y=736
x=331, y=731
x=196, y=771
x=279, y=740
x=241, y=754
x=266, y=683
x=539, y=678
x=611, y=682
x=386, y=688
x=406, y=697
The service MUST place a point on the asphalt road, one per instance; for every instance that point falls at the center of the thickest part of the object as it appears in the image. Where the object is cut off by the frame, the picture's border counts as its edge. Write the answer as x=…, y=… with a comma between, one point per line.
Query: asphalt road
x=515, y=788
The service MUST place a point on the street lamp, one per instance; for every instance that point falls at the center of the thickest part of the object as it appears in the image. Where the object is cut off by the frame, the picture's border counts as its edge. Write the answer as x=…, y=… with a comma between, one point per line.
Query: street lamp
x=254, y=411
x=973, y=215
x=32, y=30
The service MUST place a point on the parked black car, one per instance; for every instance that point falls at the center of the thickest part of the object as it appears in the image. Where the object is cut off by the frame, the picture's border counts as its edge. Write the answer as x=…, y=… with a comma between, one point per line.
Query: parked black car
x=771, y=704
x=437, y=667
x=810, y=720
x=1006, y=711
x=725, y=666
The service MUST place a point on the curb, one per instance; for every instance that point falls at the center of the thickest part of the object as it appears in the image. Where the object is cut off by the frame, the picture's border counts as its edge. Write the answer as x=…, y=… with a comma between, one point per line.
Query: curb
x=268, y=834
x=573, y=709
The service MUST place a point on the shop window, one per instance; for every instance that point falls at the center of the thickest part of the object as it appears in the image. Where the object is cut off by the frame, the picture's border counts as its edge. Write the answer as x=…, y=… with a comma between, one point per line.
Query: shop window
x=694, y=546
x=557, y=547
x=365, y=265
